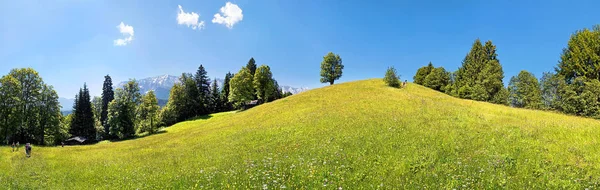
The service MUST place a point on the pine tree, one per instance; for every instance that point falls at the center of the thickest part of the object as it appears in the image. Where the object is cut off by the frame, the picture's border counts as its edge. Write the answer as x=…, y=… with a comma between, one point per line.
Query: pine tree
x=331, y=68
x=108, y=95
x=251, y=66
x=203, y=88
x=216, y=97
x=480, y=73
x=227, y=106
x=83, y=116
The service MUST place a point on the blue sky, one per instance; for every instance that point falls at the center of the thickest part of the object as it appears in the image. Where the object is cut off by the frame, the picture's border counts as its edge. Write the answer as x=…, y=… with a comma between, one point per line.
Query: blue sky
x=71, y=42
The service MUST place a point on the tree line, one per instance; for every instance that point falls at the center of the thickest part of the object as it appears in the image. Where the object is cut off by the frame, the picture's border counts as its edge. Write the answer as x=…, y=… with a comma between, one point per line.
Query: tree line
x=572, y=88
x=30, y=111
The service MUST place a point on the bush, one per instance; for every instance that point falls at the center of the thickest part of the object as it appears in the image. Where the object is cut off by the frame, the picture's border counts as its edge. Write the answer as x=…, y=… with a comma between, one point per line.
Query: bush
x=391, y=78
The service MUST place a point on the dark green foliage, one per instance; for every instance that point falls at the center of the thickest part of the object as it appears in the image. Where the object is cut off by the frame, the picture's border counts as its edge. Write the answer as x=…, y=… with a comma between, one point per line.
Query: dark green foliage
x=193, y=102
x=525, y=91
x=286, y=94
x=50, y=116
x=277, y=93
x=391, y=78
x=171, y=113
x=108, y=95
x=422, y=73
x=501, y=97
x=82, y=123
x=227, y=106
x=437, y=79
x=9, y=104
x=251, y=66
x=480, y=73
x=203, y=89
x=331, y=68
x=216, y=103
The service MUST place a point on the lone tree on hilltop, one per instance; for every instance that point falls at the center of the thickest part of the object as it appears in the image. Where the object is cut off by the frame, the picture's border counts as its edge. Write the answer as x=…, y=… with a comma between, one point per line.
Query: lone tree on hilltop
x=331, y=68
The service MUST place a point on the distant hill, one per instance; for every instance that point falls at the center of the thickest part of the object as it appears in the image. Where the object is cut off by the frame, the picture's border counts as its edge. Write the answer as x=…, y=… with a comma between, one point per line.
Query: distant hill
x=66, y=103
x=354, y=135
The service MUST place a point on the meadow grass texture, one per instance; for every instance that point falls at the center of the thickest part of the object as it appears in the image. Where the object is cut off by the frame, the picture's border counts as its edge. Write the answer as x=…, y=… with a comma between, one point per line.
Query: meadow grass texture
x=355, y=135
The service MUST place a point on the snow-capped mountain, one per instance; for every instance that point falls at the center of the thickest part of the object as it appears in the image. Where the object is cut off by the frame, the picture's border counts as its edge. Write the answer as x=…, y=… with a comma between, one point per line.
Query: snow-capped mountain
x=293, y=90
x=160, y=84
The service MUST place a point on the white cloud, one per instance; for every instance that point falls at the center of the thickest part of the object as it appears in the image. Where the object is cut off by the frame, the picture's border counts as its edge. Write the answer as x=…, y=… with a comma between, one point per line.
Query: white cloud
x=190, y=19
x=231, y=14
x=126, y=31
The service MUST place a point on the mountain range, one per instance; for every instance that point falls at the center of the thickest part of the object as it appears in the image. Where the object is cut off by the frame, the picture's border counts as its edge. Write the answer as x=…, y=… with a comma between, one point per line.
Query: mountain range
x=161, y=85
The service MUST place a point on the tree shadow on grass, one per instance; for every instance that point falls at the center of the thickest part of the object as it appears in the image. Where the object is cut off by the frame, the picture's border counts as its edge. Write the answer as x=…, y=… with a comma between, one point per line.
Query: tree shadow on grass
x=202, y=117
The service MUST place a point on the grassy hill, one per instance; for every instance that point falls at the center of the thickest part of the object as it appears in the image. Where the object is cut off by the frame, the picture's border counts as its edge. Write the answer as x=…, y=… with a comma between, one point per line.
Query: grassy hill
x=352, y=135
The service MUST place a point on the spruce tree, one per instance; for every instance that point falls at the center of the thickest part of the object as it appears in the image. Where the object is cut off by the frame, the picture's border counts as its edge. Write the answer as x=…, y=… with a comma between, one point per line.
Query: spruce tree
x=391, y=78
x=251, y=66
x=215, y=97
x=108, y=95
x=227, y=106
x=83, y=116
x=203, y=89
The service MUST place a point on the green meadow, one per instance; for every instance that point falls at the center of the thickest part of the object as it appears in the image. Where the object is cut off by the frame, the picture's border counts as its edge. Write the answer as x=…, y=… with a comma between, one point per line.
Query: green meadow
x=355, y=135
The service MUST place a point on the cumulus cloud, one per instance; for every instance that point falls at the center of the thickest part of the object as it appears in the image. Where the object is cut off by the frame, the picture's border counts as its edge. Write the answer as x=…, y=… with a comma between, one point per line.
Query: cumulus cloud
x=127, y=32
x=229, y=16
x=189, y=19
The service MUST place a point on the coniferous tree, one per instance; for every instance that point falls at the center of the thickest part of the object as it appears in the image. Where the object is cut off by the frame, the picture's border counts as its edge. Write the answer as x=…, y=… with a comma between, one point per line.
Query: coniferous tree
x=108, y=95
x=391, y=78
x=203, y=89
x=82, y=123
x=251, y=66
x=480, y=76
x=227, y=106
x=331, y=68
x=217, y=105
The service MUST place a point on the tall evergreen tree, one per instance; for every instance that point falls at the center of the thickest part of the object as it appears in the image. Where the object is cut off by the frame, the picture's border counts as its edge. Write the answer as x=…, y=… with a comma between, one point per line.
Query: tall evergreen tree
x=331, y=68
x=108, y=95
x=216, y=103
x=251, y=66
x=227, y=106
x=203, y=85
x=480, y=76
x=83, y=116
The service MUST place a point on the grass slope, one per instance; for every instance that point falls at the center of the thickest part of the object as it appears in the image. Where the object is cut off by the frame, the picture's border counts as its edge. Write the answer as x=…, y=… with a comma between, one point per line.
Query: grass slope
x=352, y=135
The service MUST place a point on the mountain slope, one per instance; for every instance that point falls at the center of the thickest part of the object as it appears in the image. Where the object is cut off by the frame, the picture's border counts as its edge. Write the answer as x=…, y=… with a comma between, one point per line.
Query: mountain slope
x=360, y=135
